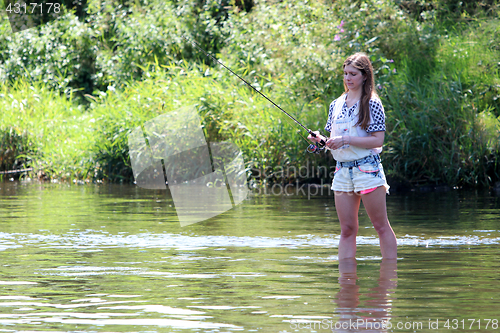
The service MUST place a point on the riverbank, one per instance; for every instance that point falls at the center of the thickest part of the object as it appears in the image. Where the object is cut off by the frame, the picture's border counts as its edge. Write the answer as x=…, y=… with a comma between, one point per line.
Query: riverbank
x=438, y=79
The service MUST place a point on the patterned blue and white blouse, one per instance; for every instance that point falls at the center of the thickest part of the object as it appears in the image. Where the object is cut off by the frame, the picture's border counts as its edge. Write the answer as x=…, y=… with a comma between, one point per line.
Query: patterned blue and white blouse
x=377, y=115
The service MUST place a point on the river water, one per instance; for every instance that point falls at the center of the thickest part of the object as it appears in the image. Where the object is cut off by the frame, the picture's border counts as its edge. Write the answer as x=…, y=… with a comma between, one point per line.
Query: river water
x=114, y=258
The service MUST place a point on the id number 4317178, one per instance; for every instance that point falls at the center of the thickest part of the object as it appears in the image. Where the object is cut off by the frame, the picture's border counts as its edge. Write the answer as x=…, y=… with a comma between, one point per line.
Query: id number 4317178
x=471, y=324
x=33, y=8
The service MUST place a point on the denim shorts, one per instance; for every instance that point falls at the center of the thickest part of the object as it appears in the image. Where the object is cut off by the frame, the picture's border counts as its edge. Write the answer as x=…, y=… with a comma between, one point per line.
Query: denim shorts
x=360, y=175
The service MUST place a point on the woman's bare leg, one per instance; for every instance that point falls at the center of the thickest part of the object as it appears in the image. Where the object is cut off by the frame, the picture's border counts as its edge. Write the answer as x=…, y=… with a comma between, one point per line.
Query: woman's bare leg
x=347, y=206
x=376, y=209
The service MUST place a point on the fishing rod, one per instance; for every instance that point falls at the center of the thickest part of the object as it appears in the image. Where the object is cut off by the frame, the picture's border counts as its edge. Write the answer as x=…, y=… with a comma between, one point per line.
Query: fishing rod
x=313, y=148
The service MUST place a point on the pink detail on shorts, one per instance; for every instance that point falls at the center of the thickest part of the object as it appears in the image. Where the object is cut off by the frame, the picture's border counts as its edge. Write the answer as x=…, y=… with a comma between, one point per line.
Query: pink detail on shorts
x=368, y=190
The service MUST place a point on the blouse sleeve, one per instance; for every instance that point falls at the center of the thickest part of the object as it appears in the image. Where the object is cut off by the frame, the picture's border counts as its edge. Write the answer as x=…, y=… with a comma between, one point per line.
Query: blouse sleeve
x=377, y=119
x=328, y=126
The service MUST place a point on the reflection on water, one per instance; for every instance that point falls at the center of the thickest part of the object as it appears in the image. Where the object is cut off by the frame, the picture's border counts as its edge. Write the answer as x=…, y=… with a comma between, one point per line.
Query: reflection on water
x=374, y=314
x=115, y=259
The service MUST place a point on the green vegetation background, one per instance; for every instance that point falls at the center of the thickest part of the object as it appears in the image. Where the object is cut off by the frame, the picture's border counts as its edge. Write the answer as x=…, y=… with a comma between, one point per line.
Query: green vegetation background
x=73, y=89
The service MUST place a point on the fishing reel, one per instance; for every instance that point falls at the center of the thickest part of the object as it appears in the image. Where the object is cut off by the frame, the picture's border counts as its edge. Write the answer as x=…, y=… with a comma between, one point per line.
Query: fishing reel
x=315, y=148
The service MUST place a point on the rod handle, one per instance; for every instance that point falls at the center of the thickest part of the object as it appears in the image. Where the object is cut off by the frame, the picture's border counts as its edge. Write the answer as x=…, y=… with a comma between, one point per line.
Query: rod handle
x=322, y=142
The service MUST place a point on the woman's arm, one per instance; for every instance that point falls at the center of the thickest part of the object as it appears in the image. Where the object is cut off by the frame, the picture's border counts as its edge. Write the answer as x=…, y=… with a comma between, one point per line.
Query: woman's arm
x=373, y=140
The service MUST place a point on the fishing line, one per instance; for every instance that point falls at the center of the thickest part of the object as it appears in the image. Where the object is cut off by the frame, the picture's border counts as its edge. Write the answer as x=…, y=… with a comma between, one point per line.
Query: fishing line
x=313, y=148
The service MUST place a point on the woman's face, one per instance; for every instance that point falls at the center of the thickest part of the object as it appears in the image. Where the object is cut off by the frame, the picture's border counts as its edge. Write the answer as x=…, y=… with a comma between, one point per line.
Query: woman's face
x=353, y=78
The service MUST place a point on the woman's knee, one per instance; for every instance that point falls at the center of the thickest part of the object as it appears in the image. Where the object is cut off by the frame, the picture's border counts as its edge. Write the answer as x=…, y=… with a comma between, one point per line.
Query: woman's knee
x=349, y=230
x=381, y=226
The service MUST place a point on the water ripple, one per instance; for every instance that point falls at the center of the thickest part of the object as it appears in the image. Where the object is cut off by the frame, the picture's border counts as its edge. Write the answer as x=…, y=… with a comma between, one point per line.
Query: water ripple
x=94, y=240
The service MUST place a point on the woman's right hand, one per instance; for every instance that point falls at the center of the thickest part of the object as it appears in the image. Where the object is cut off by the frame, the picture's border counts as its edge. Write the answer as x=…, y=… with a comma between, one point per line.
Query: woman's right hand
x=318, y=137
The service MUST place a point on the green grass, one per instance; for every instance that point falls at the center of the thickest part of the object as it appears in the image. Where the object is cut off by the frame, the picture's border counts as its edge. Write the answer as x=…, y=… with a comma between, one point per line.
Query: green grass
x=228, y=109
x=40, y=129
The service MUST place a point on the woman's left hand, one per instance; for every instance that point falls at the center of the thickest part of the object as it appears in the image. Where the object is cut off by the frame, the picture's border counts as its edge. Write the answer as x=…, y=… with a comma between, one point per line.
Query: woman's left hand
x=335, y=142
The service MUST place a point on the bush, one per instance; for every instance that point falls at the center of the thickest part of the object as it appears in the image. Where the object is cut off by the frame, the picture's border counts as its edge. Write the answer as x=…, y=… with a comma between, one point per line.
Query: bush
x=110, y=44
x=61, y=54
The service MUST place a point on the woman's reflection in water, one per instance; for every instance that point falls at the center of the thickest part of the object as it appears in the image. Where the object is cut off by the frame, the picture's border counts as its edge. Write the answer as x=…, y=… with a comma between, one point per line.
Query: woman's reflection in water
x=374, y=314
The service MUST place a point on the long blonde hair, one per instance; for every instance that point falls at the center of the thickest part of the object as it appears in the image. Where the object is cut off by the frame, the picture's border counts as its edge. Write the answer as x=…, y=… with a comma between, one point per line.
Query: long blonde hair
x=361, y=62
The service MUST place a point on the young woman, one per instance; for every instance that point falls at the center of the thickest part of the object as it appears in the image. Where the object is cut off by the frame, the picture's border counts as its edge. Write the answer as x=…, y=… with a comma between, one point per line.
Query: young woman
x=356, y=122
